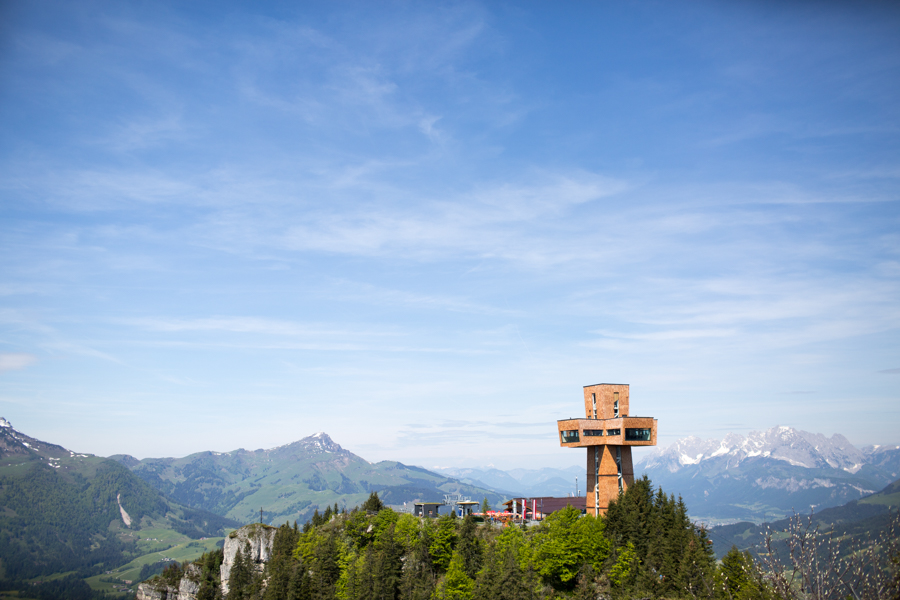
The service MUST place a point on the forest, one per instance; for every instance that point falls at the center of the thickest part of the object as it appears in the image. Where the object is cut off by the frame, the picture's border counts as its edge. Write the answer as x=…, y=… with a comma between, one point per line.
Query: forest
x=645, y=547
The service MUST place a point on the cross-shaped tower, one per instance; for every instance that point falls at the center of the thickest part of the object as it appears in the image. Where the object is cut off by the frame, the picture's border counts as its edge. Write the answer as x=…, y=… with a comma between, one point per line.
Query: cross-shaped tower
x=608, y=433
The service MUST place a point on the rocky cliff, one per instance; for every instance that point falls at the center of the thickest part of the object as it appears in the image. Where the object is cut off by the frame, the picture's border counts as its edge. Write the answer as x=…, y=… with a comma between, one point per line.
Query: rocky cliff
x=254, y=541
x=256, y=538
x=159, y=590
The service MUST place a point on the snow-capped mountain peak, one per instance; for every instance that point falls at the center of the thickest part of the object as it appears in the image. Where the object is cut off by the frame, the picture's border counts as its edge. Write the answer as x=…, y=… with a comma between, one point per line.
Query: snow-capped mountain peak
x=321, y=442
x=796, y=447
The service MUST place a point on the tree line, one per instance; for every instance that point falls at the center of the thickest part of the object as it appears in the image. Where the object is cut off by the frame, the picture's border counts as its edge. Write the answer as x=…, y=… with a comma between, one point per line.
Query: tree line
x=645, y=547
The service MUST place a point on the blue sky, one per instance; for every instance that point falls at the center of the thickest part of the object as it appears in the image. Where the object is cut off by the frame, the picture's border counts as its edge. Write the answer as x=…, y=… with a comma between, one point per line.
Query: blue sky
x=423, y=227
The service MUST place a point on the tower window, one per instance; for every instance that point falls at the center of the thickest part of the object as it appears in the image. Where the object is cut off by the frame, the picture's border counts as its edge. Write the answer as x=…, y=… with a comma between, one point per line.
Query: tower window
x=569, y=437
x=615, y=404
x=637, y=435
x=619, y=467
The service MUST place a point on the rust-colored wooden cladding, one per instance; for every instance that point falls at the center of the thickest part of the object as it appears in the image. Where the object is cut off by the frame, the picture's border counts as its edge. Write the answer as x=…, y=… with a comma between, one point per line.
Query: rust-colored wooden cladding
x=621, y=424
x=605, y=394
x=606, y=478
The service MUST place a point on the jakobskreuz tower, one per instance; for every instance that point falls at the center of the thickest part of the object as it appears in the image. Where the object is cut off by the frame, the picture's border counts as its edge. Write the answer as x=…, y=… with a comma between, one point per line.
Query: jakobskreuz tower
x=608, y=433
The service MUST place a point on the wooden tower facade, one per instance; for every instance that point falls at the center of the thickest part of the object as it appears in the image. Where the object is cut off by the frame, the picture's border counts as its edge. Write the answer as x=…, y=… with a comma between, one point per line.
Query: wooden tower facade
x=608, y=432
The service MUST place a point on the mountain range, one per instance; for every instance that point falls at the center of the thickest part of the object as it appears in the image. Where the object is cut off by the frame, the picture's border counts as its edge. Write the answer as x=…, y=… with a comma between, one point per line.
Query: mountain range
x=768, y=475
x=65, y=511
x=291, y=481
x=520, y=482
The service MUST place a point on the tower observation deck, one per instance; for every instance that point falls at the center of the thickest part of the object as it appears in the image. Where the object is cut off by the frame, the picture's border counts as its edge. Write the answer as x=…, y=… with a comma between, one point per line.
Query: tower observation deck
x=608, y=432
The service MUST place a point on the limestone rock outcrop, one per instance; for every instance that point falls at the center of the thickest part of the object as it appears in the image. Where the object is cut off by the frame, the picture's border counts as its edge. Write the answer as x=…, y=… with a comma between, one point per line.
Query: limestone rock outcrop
x=255, y=541
x=187, y=588
x=156, y=591
x=190, y=583
x=258, y=538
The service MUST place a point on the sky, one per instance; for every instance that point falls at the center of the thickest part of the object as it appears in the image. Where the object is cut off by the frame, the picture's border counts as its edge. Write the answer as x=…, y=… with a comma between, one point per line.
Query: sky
x=423, y=227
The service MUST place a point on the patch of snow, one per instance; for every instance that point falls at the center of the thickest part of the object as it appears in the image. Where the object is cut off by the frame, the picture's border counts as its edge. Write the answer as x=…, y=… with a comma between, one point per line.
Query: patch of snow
x=26, y=444
x=687, y=460
x=4, y=423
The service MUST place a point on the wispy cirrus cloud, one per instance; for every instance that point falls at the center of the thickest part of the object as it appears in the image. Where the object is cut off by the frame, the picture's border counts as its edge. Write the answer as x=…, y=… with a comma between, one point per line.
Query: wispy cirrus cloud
x=258, y=325
x=12, y=361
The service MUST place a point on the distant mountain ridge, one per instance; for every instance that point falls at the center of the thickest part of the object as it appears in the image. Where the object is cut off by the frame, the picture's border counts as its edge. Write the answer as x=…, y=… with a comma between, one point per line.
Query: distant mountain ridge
x=65, y=511
x=293, y=480
x=857, y=518
x=798, y=448
x=767, y=475
x=547, y=481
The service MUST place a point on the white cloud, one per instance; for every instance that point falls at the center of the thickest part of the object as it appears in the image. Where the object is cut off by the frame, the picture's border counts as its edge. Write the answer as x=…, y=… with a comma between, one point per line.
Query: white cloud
x=16, y=361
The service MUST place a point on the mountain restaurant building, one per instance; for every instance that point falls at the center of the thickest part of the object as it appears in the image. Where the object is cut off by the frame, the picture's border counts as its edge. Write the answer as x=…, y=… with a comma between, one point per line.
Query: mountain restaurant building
x=541, y=506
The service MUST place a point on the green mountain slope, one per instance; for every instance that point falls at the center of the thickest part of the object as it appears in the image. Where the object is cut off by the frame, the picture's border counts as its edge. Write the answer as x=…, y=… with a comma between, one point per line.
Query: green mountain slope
x=291, y=481
x=61, y=511
x=856, y=519
x=764, y=489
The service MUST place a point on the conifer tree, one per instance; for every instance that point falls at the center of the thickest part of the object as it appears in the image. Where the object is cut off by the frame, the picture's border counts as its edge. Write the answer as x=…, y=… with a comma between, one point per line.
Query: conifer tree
x=386, y=566
x=512, y=583
x=326, y=568
x=469, y=547
x=280, y=566
x=442, y=542
x=455, y=585
x=738, y=576
x=240, y=577
x=486, y=580
x=418, y=571
x=373, y=503
x=299, y=588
